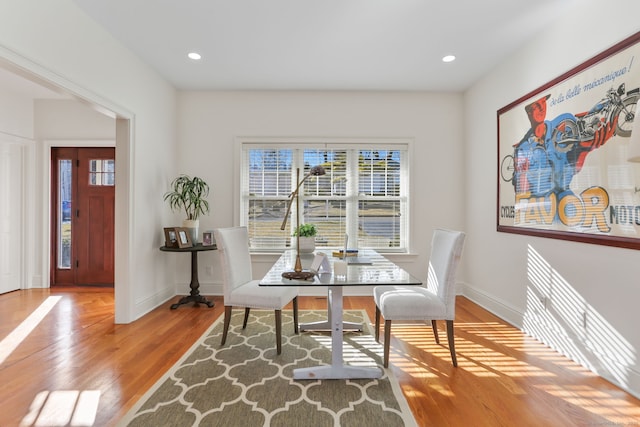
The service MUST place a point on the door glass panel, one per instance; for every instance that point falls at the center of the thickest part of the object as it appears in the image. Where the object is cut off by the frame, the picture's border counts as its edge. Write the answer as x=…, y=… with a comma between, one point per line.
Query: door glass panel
x=102, y=172
x=64, y=214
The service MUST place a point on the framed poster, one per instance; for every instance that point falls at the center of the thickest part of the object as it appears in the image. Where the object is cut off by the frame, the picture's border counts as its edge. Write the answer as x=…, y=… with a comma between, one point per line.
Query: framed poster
x=562, y=154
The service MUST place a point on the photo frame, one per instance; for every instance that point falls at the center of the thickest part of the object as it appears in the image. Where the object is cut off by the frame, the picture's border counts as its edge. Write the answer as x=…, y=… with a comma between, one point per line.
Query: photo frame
x=170, y=237
x=183, y=237
x=562, y=154
x=208, y=239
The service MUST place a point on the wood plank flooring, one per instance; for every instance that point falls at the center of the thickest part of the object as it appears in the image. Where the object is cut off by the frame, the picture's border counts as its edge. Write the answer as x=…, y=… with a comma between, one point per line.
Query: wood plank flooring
x=74, y=351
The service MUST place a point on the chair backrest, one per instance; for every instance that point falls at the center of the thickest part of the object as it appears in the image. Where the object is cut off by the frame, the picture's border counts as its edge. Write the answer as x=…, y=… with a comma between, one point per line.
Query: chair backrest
x=235, y=259
x=446, y=249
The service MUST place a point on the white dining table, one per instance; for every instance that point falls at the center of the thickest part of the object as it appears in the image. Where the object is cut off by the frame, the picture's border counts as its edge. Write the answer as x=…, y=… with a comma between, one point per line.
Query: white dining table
x=381, y=271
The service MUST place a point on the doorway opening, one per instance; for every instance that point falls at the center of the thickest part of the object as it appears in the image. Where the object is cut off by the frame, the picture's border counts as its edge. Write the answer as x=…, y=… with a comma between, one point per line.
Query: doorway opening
x=83, y=216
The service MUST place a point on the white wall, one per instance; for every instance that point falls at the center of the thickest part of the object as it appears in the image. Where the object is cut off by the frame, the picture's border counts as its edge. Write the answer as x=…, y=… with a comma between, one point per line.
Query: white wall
x=58, y=42
x=210, y=121
x=603, y=281
x=71, y=120
x=16, y=115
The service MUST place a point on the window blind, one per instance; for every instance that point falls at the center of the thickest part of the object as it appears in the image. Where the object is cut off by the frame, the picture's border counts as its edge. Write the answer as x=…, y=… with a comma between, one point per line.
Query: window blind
x=364, y=193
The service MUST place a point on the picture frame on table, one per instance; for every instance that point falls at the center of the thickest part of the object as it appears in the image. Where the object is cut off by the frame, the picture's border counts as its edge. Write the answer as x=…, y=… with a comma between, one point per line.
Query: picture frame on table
x=183, y=237
x=170, y=237
x=208, y=239
x=563, y=170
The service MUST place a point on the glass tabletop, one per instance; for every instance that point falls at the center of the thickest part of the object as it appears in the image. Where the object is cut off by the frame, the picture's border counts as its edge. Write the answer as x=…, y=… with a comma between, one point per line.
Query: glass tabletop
x=381, y=271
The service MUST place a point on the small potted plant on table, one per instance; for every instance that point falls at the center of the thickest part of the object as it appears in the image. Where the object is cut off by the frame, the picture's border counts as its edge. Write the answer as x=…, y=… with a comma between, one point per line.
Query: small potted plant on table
x=307, y=237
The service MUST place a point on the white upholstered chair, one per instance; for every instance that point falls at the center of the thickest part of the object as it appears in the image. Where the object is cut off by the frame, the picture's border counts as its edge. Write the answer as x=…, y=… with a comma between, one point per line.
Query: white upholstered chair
x=239, y=288
x=435, y=301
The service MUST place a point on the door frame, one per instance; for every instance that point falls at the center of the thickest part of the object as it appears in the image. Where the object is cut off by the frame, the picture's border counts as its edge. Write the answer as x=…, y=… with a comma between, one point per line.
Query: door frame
x=47, y=185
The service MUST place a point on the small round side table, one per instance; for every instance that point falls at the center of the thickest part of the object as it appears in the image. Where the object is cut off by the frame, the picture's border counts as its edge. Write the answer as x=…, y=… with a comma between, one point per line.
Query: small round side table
x=194, y=296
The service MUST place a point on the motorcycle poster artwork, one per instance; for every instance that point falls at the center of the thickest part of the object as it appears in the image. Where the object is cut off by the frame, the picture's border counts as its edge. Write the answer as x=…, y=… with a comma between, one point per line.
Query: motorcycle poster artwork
x=551, y=152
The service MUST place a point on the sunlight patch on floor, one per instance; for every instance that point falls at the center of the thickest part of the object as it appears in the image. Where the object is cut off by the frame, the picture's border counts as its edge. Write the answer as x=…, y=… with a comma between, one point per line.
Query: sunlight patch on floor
x=355, y=356
x=482, y=350
x=22, y=331
x=63, y=408
x=616, y=411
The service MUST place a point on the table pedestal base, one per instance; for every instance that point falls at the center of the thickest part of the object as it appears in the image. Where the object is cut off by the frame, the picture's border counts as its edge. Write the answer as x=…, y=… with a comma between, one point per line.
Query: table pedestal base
x=331, y=372
x=197, y=299
x=194, y=296
x=325, y=325
x=337, y=369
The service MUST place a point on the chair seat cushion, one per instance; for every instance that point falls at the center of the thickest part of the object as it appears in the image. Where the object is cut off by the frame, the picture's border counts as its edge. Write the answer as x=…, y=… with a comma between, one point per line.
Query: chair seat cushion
x=408, y=303
x=251, y=294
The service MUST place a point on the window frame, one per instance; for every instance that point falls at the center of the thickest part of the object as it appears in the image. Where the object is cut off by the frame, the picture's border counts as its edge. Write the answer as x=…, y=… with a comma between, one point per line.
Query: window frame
x=352, y=146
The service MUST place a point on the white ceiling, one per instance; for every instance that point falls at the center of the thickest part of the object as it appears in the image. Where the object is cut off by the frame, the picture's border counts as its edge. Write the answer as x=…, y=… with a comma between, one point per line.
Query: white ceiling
x=317, y=44
x=324, y=44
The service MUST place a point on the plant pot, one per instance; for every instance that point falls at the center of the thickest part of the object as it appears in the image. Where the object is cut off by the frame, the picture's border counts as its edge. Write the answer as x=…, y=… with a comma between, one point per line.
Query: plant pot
x=192, y=225
x=307, y=244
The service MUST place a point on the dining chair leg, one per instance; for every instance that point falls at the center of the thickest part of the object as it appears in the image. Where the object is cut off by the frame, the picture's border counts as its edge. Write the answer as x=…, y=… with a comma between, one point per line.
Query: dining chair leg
x=279, y=331
x=246, y=317
x=387, y=342
x=452, y=345
x=295, y=315
x=434, y=326
x=377, y=324
x=227, y=320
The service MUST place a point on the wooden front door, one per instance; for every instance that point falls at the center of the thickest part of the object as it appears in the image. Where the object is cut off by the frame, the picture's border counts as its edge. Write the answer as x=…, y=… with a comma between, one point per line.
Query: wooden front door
x=83, y=206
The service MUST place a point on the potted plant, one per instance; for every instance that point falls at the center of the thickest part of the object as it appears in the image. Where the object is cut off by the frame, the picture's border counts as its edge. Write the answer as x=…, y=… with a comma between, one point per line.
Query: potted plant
x=307, y=237
x=189, y=195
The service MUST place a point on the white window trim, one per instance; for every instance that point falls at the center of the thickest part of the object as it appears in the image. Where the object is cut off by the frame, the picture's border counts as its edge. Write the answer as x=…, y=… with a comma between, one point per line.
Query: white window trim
x=342, y=142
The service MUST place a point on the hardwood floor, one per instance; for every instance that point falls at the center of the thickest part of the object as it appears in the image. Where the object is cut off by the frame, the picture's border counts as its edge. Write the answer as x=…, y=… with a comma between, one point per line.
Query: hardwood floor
x=74, y=353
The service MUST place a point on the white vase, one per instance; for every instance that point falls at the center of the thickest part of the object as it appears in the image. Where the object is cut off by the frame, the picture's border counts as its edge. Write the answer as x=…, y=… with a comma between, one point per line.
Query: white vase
x=192, y=225
x=307, y=244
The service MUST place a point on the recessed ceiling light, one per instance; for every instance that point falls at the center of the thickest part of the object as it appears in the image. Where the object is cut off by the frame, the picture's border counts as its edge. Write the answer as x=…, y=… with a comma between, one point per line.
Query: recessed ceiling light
x=194, y=55
x=448, y=58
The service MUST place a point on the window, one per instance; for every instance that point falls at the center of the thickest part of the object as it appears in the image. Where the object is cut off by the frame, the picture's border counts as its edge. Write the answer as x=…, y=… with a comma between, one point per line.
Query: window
x=364, y=193
x=64, y=213
x=102, y=172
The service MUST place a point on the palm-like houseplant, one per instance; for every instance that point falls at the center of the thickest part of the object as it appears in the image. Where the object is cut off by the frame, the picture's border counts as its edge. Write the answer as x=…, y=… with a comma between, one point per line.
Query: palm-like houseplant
x=189, y=195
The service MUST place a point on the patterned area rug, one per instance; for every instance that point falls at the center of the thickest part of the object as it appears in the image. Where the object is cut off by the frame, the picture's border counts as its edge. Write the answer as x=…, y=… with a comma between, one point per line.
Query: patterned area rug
x=245, y=383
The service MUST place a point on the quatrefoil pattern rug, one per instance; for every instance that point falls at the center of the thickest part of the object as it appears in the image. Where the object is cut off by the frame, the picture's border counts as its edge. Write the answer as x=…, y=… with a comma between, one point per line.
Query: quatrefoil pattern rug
x=245, y=383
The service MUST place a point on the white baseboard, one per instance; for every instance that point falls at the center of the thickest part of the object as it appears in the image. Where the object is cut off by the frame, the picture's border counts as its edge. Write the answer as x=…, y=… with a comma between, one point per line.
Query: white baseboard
x=209, y=289
x=148, y=304
x=494, y=305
